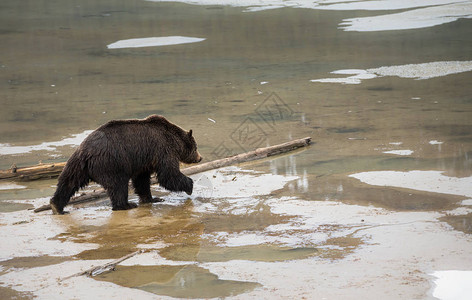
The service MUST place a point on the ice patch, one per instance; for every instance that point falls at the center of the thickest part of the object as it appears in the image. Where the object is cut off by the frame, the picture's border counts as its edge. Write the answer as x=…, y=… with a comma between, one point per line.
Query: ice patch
x=11, y=186
x=257, y=5
x=235, y=187
x=421, y=13
x=416, y=71
x=467, y=202
x=424, y=70
x=310, y=224
x=152, y=258
x=399, y=152
x=460, y=211
x=412, y=19
x=435, y=142
x=453, y=284
x=357, y=78
x=154, y=42
x=74, y=140
x=429, y=181
x=27, y=234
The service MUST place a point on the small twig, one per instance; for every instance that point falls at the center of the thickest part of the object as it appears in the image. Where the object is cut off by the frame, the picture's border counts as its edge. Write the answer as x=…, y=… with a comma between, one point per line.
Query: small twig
x=94, y=271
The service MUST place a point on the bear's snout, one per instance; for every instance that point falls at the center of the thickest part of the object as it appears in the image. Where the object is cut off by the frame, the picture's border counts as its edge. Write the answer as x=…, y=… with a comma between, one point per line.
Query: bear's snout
x=199, y=158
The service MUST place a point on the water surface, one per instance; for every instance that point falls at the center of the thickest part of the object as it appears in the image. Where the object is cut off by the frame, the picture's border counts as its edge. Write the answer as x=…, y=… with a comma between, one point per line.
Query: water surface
x=308, y=224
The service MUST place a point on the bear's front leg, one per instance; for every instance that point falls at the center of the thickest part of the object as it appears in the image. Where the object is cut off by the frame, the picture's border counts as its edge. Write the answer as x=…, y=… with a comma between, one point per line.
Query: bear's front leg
x=119, y=196
x=142, y=187
x=177, y=183
x=187, y=185
x=170, y=177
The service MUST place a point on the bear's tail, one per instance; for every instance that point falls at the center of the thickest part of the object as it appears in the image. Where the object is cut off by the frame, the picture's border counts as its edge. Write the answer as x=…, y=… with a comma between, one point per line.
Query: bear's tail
x=74, y=176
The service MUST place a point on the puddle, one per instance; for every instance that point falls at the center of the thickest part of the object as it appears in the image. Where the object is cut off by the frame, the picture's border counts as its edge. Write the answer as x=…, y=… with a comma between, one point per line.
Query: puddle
x=13, y=206
x=123, y=232
x=177, y=281
x=269, y=253
x=33, y=262
x=461, y=222
x=351, y=191
x=8, y=293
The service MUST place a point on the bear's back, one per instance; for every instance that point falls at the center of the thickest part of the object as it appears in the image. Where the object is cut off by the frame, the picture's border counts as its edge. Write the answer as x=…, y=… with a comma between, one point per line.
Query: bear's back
x=153, y=119
x=130, y=144
x=154, y=131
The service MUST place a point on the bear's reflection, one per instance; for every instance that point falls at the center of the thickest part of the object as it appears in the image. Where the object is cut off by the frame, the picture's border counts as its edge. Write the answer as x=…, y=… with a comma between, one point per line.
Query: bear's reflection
x=165, y=227
x=174, y=231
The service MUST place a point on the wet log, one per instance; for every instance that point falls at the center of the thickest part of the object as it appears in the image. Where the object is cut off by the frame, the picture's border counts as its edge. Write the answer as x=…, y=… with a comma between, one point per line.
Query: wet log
x=248, y=156
x=259, y=153
x=94, y=271
x=32, y=173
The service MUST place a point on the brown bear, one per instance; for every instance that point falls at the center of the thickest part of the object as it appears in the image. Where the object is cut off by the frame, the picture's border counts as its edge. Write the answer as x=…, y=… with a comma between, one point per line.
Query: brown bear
x=122, y=150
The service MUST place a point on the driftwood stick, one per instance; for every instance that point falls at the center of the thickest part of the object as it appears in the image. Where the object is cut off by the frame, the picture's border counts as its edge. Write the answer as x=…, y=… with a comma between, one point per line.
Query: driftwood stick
x=82, y=198
x=219, y=163
x=248, y=156
x=94, y=271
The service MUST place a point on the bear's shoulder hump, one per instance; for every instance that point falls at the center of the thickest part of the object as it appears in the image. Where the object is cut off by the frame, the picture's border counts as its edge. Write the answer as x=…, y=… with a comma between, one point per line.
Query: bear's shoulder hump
x=156, y=119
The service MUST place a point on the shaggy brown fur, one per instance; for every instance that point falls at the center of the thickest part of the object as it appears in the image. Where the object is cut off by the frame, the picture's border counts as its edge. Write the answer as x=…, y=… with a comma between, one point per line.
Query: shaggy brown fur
x=122, y=150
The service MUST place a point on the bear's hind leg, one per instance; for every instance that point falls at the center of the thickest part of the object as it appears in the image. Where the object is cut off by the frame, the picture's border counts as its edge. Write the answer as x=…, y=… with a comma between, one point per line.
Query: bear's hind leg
x=142, y=187
x=72, y=178
x=118, y=192
x=61, y=197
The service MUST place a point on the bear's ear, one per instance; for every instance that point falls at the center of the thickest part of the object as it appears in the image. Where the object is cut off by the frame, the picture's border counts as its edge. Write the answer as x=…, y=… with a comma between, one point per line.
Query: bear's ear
x=190, y=133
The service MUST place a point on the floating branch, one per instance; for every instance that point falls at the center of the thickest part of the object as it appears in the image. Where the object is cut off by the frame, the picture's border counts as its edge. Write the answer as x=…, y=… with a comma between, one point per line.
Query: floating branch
x=248, y=156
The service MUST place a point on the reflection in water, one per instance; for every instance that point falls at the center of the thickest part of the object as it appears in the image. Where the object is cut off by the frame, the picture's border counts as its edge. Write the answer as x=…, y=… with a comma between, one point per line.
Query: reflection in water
x=287, y=165
x=123, y=232
x=177, y=281
x=460, y=222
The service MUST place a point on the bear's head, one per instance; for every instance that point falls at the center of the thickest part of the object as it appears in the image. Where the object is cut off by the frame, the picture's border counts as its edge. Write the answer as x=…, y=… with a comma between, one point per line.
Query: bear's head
x=190, y=154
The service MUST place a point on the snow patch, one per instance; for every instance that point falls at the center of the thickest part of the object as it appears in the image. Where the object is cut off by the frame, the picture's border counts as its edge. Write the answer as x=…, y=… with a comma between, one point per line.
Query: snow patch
x=416, y=71
x=453, y=284
x=429, y=181
x=74, y=140
x=154, y=42
x=399, y=152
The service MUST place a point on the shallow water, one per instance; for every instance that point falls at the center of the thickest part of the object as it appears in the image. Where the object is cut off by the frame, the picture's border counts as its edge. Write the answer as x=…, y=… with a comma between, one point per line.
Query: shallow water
x=248, y=79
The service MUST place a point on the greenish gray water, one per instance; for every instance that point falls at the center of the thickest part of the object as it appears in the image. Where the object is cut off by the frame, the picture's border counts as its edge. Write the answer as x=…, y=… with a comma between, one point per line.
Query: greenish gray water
x=57, y=79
